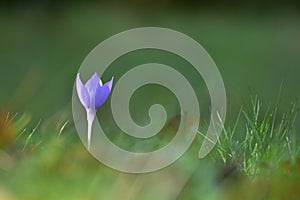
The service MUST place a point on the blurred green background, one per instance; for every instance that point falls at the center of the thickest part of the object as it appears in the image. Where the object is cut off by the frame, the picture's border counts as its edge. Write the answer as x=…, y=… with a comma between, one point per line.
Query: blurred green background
x=255, y=44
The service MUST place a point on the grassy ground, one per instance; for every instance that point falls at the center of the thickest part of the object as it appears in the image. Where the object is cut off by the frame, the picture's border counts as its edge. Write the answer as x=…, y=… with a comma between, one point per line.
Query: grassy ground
x=41, y=156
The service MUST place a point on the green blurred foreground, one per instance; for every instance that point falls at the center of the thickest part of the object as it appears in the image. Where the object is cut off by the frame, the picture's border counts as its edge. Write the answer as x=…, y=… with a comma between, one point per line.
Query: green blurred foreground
x=259, y=161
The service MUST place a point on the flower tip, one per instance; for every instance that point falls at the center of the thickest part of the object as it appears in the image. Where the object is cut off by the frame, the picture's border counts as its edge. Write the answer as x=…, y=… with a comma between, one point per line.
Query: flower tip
x=78, y=80
x=82, y=92
x=95, y=75
x=110, y=83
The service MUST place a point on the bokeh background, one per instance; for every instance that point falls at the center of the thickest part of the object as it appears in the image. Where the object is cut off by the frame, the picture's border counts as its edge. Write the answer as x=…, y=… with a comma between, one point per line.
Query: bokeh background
x=255, y=44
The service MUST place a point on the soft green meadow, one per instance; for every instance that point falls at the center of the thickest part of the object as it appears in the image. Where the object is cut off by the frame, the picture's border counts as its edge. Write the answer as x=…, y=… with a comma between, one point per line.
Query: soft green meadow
x=256, y=157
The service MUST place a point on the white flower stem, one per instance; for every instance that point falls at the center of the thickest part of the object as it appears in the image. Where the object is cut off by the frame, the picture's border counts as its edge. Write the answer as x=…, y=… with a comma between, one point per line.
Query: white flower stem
x=90, y=124
x=90, y=119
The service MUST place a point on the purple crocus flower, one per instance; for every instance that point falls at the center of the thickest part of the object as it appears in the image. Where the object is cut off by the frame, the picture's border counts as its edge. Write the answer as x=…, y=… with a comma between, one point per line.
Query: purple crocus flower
x=92, y=95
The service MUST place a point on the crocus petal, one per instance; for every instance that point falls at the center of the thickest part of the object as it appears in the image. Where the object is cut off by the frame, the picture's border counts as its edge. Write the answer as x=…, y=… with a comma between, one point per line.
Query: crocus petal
x=82, y=92
x=92, y=83
x=102, y=93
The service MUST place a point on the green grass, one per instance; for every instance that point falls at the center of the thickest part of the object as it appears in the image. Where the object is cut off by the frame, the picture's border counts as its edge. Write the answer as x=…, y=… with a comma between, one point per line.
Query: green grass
x=266, y=141
x=260, y=148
